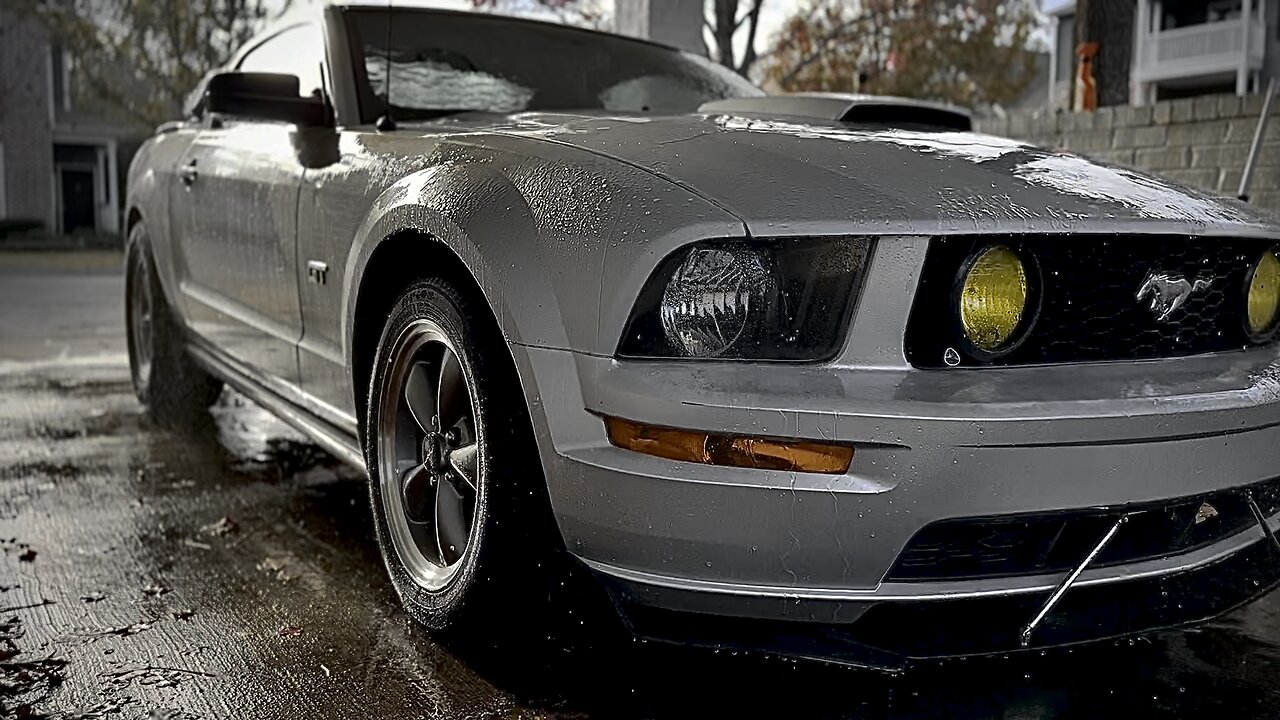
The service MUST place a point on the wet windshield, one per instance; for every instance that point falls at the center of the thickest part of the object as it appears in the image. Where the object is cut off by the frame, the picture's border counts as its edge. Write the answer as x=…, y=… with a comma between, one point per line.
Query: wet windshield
x=446, y=62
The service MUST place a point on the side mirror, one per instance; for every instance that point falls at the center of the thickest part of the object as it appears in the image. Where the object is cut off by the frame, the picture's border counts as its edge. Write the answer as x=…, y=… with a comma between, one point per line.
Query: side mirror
x=264, y=96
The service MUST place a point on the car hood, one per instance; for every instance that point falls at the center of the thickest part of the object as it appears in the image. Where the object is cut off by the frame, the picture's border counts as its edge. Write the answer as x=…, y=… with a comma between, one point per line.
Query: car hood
x=786, y=176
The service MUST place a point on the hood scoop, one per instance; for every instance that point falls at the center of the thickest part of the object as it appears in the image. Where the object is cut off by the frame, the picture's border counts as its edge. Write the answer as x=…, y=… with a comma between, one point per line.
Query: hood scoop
x=860, y=109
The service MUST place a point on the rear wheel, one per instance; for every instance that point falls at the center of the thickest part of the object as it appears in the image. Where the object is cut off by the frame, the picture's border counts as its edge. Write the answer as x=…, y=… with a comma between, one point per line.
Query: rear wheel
x=458, y=495
x=175, y=391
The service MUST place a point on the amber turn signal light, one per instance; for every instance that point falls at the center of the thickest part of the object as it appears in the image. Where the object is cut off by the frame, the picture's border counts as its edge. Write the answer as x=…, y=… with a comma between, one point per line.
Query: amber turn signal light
x=731, y=450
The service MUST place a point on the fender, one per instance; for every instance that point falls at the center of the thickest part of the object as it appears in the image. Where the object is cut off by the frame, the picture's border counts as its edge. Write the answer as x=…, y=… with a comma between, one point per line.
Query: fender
x=533, y=220
x=427, y=202
x=414, y=204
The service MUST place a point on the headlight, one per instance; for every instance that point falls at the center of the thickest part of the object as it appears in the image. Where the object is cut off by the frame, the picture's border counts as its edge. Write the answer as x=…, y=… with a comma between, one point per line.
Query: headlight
x=993, y=298
x=713, y=299
x=1264, y=295
x=775, y=299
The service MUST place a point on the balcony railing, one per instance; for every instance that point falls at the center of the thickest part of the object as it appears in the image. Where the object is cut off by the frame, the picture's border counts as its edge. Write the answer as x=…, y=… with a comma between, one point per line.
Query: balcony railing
x=1210, y=48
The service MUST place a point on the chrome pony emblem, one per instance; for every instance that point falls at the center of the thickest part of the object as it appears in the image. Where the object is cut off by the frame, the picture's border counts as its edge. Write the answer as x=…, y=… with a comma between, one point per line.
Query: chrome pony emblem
x=1168, y=293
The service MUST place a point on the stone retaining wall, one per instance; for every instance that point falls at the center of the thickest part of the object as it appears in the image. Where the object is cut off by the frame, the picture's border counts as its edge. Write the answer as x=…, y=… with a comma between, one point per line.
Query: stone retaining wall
x=1201, y=141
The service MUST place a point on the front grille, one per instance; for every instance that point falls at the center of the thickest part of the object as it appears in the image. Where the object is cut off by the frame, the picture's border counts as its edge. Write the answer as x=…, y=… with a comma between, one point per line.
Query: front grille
x=1084, y=299
x=973, y=548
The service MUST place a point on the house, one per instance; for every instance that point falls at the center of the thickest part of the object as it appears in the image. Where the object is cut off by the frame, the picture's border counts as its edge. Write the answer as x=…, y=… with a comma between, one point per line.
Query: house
x=1180, y=48
x=61, y=164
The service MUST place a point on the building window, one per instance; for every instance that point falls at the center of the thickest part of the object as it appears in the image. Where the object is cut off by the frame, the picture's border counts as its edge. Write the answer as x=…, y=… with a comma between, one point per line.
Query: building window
x=4, y=210
x=61, y=91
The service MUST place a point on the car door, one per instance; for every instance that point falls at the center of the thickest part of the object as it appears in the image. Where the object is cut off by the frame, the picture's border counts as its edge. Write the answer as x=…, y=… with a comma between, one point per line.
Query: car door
x=234, y=218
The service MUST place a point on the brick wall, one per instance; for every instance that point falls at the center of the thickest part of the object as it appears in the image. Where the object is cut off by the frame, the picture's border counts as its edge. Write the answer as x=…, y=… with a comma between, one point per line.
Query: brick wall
x=1201, y=141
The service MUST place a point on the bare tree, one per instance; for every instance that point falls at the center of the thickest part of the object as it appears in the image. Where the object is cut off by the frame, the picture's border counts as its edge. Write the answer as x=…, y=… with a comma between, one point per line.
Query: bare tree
x=141, y=57
x=970, y=53
x=727, y=19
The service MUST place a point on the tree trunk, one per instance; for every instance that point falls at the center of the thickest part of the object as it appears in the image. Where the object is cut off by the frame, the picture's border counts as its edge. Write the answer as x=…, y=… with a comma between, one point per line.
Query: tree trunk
x=726, y=12
x=1110, y=24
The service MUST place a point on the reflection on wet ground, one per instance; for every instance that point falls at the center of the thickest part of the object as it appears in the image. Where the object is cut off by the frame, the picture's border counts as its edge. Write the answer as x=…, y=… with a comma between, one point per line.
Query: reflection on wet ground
x=145, y=574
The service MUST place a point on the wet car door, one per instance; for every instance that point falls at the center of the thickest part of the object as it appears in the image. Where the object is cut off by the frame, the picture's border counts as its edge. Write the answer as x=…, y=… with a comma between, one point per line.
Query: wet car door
x=234, y=218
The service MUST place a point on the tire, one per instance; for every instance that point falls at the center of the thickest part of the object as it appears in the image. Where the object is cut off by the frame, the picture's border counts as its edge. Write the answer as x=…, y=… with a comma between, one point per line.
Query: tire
x=176, y=392
x=510, y=546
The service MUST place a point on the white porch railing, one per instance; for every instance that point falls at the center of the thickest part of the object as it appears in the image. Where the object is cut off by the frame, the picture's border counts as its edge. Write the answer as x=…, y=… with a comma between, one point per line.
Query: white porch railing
x=1216, y=47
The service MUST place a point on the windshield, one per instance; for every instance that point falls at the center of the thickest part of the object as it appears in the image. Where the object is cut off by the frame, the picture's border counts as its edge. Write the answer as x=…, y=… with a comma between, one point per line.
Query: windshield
x=442, y=61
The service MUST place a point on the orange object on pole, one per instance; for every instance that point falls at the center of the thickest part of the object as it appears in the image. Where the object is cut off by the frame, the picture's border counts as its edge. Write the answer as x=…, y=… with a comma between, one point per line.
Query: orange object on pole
x=1086, y=95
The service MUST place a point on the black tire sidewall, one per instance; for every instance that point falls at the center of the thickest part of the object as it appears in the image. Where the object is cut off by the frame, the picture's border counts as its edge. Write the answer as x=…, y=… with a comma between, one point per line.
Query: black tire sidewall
x=508, y=528
x=138, y=268
x=177, y=392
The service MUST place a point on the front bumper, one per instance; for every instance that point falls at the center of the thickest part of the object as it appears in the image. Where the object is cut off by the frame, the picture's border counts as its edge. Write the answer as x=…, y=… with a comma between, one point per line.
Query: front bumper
x=890, y=635
x=817, y=551
x=926, y=452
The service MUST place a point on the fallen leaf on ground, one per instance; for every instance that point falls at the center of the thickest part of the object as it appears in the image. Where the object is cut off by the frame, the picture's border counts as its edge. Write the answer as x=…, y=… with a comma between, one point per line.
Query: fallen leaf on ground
x=223, y=527
x=123, y=631
x=276, y=568
x=29, y=606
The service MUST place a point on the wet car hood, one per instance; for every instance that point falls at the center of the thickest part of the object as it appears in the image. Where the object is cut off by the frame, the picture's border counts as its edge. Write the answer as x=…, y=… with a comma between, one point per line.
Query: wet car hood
x=787, y=176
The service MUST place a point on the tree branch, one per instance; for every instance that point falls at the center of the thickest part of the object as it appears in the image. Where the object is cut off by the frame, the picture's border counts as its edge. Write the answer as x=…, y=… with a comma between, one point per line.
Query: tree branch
x=821, y=47
x=139, y=58
x=749, y=54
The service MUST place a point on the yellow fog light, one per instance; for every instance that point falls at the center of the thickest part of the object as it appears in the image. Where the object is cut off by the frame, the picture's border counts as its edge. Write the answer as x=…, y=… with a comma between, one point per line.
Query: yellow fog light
x=1264, y=294
x=993, y=298
x=732, y=450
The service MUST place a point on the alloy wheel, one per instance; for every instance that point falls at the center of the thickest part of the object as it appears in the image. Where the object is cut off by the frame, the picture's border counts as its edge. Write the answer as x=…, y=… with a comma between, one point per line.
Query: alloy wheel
x=429, y=454
x=141, y=319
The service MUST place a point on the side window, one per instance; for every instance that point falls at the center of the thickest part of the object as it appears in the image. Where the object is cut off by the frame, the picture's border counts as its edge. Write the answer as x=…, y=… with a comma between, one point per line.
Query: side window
x=296, y=51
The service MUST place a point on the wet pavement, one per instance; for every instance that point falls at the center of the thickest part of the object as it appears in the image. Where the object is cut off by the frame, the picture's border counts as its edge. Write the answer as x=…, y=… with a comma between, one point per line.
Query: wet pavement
x=232, y=573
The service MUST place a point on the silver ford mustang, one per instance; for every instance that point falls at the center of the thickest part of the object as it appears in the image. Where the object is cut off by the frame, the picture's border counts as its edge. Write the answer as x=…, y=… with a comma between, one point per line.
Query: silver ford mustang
x=823, y=375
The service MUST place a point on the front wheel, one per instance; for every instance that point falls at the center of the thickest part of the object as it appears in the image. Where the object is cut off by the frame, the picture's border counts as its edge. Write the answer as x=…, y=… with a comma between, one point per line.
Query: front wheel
x=459, y=501
x=175, y=391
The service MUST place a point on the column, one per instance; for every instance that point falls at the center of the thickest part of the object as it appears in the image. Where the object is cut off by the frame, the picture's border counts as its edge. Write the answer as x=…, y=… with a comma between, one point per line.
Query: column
x=1242, y=72
x=672, y=22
